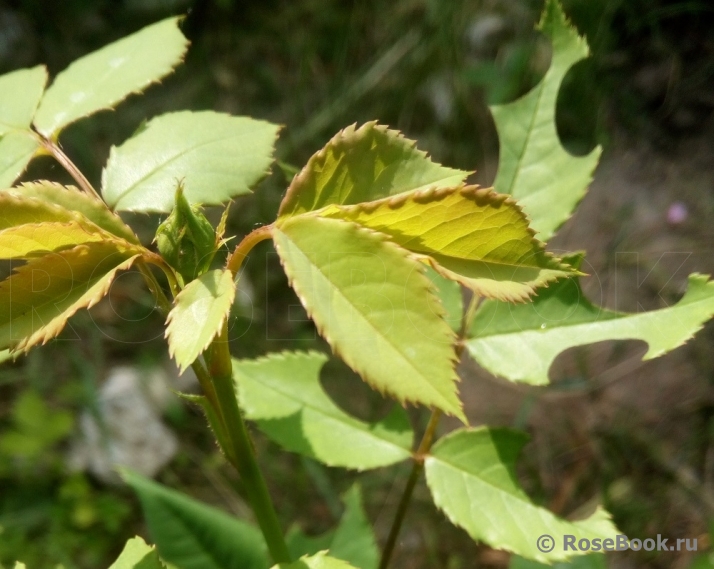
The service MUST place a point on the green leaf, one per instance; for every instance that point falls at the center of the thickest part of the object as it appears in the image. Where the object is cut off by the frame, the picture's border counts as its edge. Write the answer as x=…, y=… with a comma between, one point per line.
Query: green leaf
x=450, y=297
x=373, y=305
x=561, y=317
x=17, y=210
x=364, y=164
x=109, y=75
x=33, y=239
x=217, y=156
x=319, y=561
x=472, y=235
x=20, y=92
x=16, y=150
x=137, y=555
x=592, y=561
x=198, y=315
x=20, y=565
x=70, y=198
x=472, y=477
x=5, y=356
x=38, y=299
x=534, y=168
x=352, y=541
x=192, y=535
x=282, y=393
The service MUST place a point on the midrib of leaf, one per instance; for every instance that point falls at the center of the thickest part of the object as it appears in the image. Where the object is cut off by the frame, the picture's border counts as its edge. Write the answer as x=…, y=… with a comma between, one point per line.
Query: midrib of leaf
x=372, y=326
x=346, y=420
x=145, y=177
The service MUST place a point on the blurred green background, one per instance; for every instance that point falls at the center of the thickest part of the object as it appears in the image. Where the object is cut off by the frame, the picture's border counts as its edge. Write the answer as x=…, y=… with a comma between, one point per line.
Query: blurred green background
x=639, y=437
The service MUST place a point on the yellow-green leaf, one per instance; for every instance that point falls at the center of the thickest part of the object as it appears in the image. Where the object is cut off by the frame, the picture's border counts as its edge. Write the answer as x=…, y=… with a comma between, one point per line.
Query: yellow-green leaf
x=533, y=167
x=138, y=555
x=107, y=76
x=20, y=92
x=364, y=164
x=469, y=234
x=374, y=306
x=198, y=314
x=32, y=239
x=318, y=561
x=16, y=150
x=18, y=210
x=39, y=297
x=70, y=198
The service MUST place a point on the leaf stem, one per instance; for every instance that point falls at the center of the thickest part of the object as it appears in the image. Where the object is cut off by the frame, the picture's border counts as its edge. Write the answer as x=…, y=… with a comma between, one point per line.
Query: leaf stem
x=54, y=149
x=240, y=253
x=221, y=371
x=424, y=446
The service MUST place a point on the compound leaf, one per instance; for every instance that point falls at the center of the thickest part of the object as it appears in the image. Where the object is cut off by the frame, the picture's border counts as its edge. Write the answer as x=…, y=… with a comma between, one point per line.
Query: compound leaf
x=373, y=305
x=472, y=235
x=534, y=168
x=198, y=315
x=217, y=156
x=70, y=198
x=137, y=555
x=472, y=477
x=109, y=75
x=192, y=535
x=282, y=393
x=561, y=317
x=37, y=300
x=364, y=164
x=318, y=561
x=16, y=150
x=20, y=92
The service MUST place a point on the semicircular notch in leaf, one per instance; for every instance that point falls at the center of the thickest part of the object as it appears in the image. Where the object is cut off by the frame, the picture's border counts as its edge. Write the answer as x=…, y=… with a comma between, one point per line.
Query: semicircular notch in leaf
x=198, y=314
x=71, y=199
x=534, y=168
x=20, y=93
x=472, y=235
x=472, y=477
x=39, y=297
x=374, y=306
x=561, y=317
x=282, y=393
x=192, y=535
x=109, y=75
x=217, y=156
x=361, y=165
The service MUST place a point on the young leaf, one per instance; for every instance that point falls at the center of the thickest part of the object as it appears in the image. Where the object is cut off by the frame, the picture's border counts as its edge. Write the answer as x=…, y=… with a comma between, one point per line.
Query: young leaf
x=561, y=317
x=38, y=299
x=33, y=239
x=20, y=92
x=282, y=393
x=364, y=164
x=472, y=235
x=198, y=315
x=70, y=198
x=109, y=75
x=534, y=168
x=137, y=555
x=17, y=210
x=472, y=477
x=318, y=561
x=373, y=305
x=16, y=150
x=192, y=535
x=217, y=156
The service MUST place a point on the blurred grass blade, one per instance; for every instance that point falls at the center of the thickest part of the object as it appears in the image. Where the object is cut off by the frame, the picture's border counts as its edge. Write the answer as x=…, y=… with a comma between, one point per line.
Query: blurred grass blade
x=282, y=393
x=534, y=168
x=191, y=535
x=216, y=156
x=474, y=236
x=361, y=165
x=373, y=305
x=472, y=477
x=20, y=93
x=137, y=555
x=198, y=315
x=107, y=76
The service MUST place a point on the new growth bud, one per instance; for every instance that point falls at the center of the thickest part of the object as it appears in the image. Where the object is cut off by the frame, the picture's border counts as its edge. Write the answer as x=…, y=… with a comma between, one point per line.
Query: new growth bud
x=186, y=239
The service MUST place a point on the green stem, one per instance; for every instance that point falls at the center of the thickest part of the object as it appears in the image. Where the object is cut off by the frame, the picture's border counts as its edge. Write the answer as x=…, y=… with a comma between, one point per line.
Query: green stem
x=221, y=370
